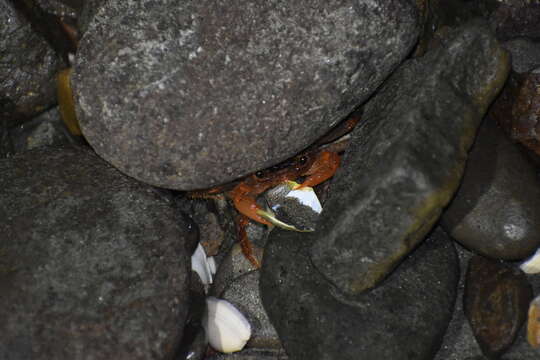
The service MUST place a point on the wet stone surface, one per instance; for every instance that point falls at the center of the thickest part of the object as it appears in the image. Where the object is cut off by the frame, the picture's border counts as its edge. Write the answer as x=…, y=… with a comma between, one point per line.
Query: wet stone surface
x=403, y=318
x=496, y=210
x=496, y=301
x=47, y=129
x=192, y=94
x=27, y=69
x=459, y=342
x=525, y=54
x=91, y=262
x=406, y=158
x=517, y=109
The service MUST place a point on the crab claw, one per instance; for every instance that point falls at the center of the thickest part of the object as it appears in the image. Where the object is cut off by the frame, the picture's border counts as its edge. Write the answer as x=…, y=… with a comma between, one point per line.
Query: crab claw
x=270, y=217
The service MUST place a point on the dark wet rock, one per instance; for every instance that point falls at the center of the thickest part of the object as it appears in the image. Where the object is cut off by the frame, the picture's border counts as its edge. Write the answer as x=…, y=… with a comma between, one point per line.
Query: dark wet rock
x=459, y=342
x=47, y=129
x=233, y=266
x=496, y=301
x=516, y=18
x=406, y=158
x=403, y=318
x=27, y=68
x=439, y=16
x=191, y=94
x=61, y=8
x=517, y=110
x=91, y=262
x=251, y=354
x=89, y=8
x=496, y=210
x=243, y=292
x=525, y=54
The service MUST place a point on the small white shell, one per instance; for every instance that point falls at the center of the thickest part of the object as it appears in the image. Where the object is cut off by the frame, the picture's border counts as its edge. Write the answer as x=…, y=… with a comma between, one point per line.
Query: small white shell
x=306, y=196
x=202, y=265
x=532, y=264
x=226, y=328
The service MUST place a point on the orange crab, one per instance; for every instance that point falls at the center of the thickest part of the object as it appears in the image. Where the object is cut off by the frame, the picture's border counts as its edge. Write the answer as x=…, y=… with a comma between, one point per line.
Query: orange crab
x=318, y=165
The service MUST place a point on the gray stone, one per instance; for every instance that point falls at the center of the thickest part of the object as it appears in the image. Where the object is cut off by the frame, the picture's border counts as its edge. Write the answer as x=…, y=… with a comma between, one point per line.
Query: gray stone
x=525, y=54
x=188, y=95
x=28, y=66
x=47, y=129
x=459, y=342
x=496, y=210
x=403, y=318
x=93, y=265
x=251, y=354
x=243, y=292
x=406, y=158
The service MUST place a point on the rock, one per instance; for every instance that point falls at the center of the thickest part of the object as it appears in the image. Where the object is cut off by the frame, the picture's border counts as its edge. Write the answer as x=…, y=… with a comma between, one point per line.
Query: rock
x=496, y=210
x=403, y=318
x=189, y=95
x=47, y=129
x=243, y=292
x=525, y=54
x=27, y=68
x=251, y=354
x=496, y=301
x=516, y=18
x=406, y=158
x=517, y=110
x=91, y=262
x=459, y=342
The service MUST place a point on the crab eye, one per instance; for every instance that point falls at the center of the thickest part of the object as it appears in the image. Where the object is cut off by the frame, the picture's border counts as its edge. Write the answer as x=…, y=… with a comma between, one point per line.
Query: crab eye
x=303, y=160
x=259, y=174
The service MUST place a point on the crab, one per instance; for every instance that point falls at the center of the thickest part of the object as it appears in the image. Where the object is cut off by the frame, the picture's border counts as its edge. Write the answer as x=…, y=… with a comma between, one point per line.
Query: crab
x=317, y=164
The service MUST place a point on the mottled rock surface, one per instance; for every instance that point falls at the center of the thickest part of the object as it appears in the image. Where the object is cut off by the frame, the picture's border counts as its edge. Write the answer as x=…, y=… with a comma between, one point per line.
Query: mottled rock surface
x=525, y=54
x=91, y=262
x=406, y=158
x=243, y=292
x=496, y=210
x=517, y=109
x=27, y=68
x=187, y=95
x=496, y=301
x=459, y=342
x=403, y=318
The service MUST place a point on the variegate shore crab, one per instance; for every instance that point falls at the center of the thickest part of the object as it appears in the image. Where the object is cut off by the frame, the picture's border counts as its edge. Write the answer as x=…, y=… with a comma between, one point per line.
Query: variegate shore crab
x=317, y=164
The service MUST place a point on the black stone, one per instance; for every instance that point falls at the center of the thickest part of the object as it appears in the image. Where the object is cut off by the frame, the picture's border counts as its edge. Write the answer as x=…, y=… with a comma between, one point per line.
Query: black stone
x=28, y=66
x=188, y=95
x=496, y=211
x=406, y=158
x=403, y=318
x=92, y=263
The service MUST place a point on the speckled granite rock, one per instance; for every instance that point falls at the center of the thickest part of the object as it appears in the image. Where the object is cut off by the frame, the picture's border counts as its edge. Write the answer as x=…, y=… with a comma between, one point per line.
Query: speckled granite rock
x=406, y=158
x=187, y=95
x=28, y=67
x=496, y=210
x=403, y=318
x=91, y=262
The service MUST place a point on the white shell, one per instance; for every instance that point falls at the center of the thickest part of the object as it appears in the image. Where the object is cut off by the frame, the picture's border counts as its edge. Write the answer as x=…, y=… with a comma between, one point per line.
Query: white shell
x=202, y=265
x=306, y=196
x=226, y=328
x=532, y=264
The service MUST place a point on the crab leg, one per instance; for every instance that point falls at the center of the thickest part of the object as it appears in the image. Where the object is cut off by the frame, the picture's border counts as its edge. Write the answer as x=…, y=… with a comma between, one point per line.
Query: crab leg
x=245, y=244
